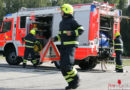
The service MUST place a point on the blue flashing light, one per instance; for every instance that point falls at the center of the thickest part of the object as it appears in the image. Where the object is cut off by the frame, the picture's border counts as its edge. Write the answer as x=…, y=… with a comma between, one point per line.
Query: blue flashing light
x=119, y=13
x=93, y=8
x=8, y=15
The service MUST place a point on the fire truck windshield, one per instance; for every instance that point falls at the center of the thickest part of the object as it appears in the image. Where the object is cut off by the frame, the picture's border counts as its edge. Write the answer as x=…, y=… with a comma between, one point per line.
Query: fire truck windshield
x=6, y=26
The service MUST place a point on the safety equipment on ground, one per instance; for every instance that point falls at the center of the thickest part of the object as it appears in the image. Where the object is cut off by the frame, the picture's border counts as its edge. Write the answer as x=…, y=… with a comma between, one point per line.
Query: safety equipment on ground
x=67, y=8
x=117, y=34
x=33, y=32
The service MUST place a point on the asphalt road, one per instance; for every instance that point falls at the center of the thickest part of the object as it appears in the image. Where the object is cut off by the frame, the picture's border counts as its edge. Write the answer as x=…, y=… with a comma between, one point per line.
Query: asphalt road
x=47, y=77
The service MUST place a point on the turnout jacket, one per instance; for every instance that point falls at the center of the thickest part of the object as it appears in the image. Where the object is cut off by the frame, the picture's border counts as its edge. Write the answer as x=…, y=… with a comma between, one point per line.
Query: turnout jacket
x=69, y=24
x=29, y=41
x=118, y=44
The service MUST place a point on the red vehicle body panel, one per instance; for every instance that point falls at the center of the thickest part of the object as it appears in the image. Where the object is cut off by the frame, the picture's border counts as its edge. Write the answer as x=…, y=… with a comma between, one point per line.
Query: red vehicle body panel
x=7, y=36
x=81, y=52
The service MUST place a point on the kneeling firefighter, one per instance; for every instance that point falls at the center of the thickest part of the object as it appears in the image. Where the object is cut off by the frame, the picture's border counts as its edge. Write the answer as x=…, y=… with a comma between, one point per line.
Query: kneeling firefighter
x=30, y=41
x=69, y=31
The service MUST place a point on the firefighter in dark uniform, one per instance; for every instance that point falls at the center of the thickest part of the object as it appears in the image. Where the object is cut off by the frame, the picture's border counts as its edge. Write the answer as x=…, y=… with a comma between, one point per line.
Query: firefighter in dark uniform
x=69, y=31
x=118, y=46
x=30, y=40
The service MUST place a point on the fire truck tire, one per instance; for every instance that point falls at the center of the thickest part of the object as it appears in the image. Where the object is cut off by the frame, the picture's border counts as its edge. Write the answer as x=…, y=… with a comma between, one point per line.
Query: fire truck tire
x=19, y=60
x=86, y=65
x=92, y=64
x=57, y=64
x=11, y=57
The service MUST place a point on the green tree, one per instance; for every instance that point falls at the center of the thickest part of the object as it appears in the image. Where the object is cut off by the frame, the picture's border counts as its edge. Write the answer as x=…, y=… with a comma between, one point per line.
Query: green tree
x=125, y=26
x=122, y=4
x=1, y=10
x=125, y=31
x=11, y=6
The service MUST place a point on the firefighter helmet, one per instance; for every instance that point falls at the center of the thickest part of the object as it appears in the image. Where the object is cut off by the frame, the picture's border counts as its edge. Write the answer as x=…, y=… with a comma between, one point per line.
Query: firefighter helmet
x=117, y=34
x=67, y=9
x=33, y=32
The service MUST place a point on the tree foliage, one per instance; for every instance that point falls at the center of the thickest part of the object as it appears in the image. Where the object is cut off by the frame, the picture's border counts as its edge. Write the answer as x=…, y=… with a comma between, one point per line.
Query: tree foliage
x=125, y=31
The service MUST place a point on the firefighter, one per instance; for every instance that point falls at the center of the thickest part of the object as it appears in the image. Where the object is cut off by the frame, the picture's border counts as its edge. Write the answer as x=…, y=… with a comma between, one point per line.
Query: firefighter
x=30, y=40
x=118, y=46
x=69, y=31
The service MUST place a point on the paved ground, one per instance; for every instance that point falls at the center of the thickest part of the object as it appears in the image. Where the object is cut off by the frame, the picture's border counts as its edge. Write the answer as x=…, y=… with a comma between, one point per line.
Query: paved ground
x=47, y=77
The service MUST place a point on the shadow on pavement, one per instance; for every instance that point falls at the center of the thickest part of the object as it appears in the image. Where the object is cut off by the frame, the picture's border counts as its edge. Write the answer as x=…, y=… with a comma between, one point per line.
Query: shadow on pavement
x=26, y=89
x=49, y=69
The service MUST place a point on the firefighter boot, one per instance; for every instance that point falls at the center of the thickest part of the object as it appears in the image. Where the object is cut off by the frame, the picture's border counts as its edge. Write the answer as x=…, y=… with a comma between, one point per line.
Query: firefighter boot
x=116, y=69
x=34, y=65
x=73, y=86
x=119, y=70
x=24, y=65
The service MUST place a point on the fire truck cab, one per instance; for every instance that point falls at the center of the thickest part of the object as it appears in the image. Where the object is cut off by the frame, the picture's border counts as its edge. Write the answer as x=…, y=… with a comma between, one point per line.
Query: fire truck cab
x=100, y=22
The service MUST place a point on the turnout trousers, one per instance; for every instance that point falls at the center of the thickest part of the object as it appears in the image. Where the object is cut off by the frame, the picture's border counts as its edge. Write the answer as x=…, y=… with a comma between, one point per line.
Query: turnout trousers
x=67, y=61
x=118, y=60
x=27, y=52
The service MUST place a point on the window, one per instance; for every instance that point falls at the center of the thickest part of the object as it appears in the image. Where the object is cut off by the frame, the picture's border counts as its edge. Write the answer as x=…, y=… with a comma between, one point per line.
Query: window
x=6, y=26
x=22, y=22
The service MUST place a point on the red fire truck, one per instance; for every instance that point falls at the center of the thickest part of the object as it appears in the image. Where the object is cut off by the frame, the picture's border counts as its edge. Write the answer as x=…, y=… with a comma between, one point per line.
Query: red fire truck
x=100, y=21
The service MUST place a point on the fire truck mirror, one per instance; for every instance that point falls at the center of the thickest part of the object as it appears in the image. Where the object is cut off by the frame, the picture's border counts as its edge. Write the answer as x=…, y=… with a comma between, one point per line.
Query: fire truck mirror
x=6, y=26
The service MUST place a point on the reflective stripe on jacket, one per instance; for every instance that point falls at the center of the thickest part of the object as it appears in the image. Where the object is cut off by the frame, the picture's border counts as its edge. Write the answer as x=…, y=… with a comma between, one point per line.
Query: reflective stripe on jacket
x=69, y=24
x=118, y=44
x=29, y=41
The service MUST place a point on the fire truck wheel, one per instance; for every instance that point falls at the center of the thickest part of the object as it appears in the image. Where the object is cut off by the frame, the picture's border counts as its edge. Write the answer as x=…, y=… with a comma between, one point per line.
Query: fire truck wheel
x=84, y=65
x=11, y=57
x=92, y=64
x=19, y=60
x=57, y=64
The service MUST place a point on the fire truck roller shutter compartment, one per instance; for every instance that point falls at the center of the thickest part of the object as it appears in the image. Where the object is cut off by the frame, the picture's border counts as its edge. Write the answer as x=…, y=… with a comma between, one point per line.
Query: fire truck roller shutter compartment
x=83, y=17
x=43, y=31
x=105, y=37
x=43, y=26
